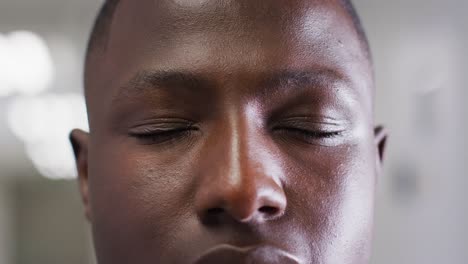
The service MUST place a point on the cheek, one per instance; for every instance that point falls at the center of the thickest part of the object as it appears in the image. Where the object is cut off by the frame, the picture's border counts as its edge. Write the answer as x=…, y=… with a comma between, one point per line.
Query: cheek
x=338, y=196
x=353, y=212
x=138, y=199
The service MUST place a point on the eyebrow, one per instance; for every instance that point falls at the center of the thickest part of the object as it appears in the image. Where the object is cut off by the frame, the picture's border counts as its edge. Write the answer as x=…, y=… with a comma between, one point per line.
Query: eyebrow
x=173, y=81
x=181, y=80
x=165, y=79
x=292, y=79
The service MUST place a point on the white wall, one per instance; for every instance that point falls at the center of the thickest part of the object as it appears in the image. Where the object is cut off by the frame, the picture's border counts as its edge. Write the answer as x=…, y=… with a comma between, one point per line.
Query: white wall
x=420, y=59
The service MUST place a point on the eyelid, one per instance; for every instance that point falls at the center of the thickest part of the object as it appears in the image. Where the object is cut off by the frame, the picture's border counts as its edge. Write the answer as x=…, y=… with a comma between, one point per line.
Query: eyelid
x=311, y=123
x=163, y=134
x=312, y=130
x=146, y=132
x=162, y=125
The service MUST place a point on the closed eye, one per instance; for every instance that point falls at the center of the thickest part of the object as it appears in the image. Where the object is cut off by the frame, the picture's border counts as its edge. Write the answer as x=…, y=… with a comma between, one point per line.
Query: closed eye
x=308, y=136
x=151, y=136
x=312, y=133
x=315, y=134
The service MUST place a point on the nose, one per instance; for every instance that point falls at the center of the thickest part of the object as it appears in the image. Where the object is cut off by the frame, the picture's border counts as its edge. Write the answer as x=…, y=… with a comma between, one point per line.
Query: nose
x=246, y=202
x=241, y=182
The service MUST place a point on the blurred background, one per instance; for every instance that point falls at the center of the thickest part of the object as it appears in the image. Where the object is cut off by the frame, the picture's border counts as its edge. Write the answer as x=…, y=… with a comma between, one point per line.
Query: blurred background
x=421, y=61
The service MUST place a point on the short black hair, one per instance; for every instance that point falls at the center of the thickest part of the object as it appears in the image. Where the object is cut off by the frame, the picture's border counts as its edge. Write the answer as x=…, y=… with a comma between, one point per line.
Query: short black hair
x=349, y=7
x=101, y=29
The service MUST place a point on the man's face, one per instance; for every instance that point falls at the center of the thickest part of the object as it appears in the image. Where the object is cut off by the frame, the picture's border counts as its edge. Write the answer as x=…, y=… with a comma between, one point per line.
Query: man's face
x=230, y=132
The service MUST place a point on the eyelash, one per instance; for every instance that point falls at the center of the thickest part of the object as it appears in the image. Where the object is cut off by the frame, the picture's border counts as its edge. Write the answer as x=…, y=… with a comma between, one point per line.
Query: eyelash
x=308, y=135
x=157, y=137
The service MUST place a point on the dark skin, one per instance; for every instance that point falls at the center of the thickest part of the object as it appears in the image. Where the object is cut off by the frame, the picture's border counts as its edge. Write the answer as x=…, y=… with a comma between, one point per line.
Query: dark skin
x=229, y=132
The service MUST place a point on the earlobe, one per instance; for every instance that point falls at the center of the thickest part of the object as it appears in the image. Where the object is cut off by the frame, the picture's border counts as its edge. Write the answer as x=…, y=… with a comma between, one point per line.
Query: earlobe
x=380, y=140
x=80, y=141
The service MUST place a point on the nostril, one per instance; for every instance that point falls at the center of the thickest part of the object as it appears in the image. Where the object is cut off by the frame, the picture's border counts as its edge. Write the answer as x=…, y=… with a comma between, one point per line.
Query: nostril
x=215, y=211
x=269, y=210
x=212, y=216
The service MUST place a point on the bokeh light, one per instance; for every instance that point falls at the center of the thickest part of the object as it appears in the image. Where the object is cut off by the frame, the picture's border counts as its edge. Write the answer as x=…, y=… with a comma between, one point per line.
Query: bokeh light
x=43, y=123
x=26, y=65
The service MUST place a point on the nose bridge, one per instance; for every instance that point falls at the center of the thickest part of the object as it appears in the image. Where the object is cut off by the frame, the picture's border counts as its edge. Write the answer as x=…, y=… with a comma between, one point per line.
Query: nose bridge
x=246, y=186
x=253, y=167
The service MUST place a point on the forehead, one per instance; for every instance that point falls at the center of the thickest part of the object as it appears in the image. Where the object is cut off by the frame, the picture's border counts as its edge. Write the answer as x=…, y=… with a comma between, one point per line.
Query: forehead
x=255, y=28
x=231, y=39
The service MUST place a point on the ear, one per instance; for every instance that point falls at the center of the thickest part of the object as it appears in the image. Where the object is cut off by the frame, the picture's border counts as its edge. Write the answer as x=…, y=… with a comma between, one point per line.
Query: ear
x=80, y=142
x=380, y=140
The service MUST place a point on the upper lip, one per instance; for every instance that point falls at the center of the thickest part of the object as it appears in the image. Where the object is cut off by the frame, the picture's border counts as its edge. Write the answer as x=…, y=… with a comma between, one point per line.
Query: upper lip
x=261, y=254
